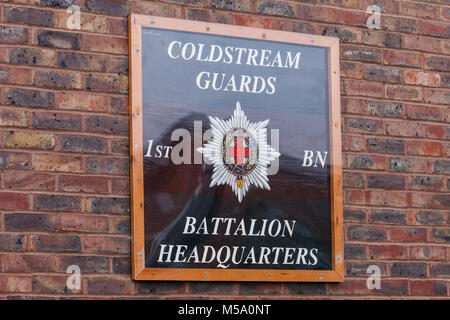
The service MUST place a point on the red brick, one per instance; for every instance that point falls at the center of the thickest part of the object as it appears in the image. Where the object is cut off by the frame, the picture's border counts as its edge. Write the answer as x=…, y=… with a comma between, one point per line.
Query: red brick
x=388, y=252
x=435, y=29
x=436, y=96
x=426, y=44
x=55, y=243
x=15, y=283
x=354, y=87
x=120, y=185
x=407, y=234
x=419, y=10
x=13, y=201
x=106, y=244
x=82, y=101
x=105, y=44
x=82, y=183
x=56, y=162
x=422, y=252
x=424, y=148
x=351, y=70
x=349, y=287
x=421, y=78
x=51, y=284
x=424, y=112
x=24, y=263
x=83, y=223
x=396, y=92
x=429, y=287
x=29, y=180
x=403, y=59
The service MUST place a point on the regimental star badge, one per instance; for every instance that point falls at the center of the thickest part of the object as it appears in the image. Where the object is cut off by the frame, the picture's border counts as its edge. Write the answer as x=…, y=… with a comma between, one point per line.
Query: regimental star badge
x=239, y=152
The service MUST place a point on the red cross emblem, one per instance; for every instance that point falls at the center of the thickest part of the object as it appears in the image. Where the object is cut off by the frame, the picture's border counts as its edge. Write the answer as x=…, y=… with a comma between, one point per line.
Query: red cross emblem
x=239, y=151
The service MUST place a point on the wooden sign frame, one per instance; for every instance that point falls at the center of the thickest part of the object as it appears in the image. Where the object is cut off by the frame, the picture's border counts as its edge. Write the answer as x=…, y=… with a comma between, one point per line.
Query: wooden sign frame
x=139, y=271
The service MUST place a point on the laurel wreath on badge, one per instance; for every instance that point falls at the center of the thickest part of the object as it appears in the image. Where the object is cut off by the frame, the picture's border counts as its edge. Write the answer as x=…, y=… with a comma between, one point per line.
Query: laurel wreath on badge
x=239, y=152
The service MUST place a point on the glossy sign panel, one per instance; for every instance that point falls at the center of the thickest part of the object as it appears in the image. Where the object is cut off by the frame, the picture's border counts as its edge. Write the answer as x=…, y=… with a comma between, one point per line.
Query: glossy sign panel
x=235, y=177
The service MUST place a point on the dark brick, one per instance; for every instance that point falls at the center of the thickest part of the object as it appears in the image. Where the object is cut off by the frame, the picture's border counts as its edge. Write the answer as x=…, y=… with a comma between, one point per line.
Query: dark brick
x=108, y=205
x=379, y=145
x=361, y=162
x=106, y=124
x=442, y=235
x=409, y=269
x=13, y=35
x=27, y=221
x=56, y=202
x=44, y=18
x=368, y=125
x=393, y=287
x=426, y=183
x=344, y=35
x=160, y=287
x=82, y=144
x=56, y=79
x=392, y=40
x=383, y=74
x=30, y=98
x=108, y=285
x=388, y=216
x=361, y=54
x=382, y=108
x=212, y=288
x=440, y=270
x=32, y=56
x=115, y=7
x=442, y=166
x=120, y=146
x=58, y=39
x=82, y=61
x=400, y=165
x=14, y=160
x=50, y=284
x=366, y=233
x=354, y=215
x=119, y=105
x=59, y=3
x=276, y=8
x=359, y=269
x=118, y=65
x=105, y=82
x=107, y=165
x=397, y=24
x=307, y=288
x=121, y=225
x=12, y=242
x=121, y=265
x=438, y=63
x=87, y=264
x=50, y=120
x=386, y=182
x=56, y=243
x=255, y=288
x=304, y=27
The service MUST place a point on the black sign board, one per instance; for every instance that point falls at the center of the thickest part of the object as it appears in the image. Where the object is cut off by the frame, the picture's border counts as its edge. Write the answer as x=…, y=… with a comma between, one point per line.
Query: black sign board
x=235, y=153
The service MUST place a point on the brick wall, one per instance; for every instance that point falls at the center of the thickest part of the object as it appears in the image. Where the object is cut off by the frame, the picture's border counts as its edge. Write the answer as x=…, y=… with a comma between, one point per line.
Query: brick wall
x=64, y=192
